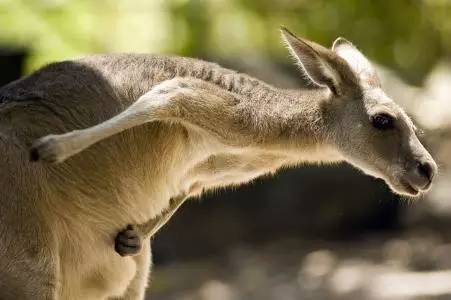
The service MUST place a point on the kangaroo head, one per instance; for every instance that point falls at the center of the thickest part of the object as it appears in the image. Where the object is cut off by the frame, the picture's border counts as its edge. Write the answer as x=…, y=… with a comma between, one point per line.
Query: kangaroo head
x=366, y=127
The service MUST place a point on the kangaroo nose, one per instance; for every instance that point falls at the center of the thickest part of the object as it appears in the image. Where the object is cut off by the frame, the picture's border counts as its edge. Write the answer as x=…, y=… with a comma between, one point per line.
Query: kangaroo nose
x=426, y=169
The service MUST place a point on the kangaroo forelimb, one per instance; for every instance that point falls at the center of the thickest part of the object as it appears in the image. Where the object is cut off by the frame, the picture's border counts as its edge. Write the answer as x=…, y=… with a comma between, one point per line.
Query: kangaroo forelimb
x=129, y=241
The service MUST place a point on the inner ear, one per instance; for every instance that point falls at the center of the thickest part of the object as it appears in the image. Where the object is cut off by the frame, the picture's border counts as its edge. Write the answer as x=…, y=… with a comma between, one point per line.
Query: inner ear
x=315, y=61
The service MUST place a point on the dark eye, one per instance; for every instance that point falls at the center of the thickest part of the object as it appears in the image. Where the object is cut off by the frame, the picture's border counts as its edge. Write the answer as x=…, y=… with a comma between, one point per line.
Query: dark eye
x=382, y=121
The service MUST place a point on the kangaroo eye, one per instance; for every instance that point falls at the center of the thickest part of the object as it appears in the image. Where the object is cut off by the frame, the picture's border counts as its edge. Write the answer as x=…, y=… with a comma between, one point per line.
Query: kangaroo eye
x=382, y=121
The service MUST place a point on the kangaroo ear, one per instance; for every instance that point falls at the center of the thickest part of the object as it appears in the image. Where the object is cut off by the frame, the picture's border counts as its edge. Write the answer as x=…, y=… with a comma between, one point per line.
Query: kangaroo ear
x=358, y=63
x=315, y=61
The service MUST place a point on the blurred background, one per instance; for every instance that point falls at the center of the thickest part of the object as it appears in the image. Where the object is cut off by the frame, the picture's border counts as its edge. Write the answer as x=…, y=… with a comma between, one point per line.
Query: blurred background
x=308, y=233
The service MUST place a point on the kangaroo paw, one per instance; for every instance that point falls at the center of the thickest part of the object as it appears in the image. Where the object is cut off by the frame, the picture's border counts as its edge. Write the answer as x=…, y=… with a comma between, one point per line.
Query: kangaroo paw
x=127, y=242
x=46, y=149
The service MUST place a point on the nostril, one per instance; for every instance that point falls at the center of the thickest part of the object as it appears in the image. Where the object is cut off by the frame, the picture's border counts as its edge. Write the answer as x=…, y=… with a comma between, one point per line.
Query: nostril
x=426, y=169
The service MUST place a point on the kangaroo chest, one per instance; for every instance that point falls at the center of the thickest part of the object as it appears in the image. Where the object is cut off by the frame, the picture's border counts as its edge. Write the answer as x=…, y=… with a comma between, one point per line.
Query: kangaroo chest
x=223, y=169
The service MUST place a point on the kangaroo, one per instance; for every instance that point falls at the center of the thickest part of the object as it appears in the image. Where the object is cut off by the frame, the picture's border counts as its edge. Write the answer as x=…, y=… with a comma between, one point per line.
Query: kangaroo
x=153, y=128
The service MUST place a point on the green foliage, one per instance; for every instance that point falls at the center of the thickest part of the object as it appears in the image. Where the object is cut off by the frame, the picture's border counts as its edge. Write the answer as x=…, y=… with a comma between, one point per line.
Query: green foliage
x=408, y=35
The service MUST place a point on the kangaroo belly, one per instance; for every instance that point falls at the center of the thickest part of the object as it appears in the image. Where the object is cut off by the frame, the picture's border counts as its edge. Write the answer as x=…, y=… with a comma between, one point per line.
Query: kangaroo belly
x=102, y=280
x=90, y=269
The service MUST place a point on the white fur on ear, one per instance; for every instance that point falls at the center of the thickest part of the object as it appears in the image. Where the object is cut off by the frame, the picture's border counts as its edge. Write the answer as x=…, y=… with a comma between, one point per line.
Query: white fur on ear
x=358, y=63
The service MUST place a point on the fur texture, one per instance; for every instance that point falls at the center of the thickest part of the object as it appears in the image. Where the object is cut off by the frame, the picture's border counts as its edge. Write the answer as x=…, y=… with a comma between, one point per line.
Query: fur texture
x=150, y=128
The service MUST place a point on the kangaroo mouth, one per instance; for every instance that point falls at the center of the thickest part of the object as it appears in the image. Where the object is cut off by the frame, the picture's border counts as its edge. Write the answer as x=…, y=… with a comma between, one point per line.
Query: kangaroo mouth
x=411, y=189
x=407, y=186
x=401, y=186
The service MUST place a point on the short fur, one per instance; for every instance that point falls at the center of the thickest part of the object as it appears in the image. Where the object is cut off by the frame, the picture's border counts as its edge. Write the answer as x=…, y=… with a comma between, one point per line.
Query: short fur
x=158, y=127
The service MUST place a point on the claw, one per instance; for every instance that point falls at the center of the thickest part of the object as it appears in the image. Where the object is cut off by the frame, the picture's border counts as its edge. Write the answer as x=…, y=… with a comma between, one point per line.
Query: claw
x=127, y=242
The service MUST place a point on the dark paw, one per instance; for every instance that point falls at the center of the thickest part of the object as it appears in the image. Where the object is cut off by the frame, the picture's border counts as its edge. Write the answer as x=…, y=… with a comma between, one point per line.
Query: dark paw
x=127, y=242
